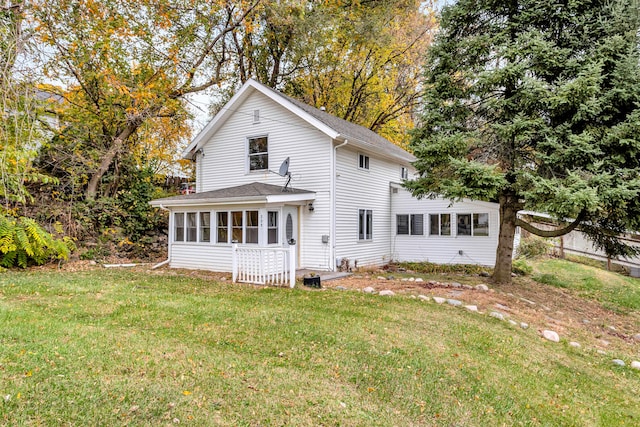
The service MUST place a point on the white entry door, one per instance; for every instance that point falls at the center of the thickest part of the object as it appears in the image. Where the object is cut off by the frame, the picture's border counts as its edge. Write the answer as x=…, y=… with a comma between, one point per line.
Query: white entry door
x=290, y=225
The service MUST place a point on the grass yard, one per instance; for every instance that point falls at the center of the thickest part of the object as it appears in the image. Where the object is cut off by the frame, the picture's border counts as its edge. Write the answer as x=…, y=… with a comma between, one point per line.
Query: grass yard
x=123, y=347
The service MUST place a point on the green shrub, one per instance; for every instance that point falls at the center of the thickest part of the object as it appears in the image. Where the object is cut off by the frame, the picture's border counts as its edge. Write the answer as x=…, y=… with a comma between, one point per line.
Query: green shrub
x=431, y=268
x=550, y=279
x=23, y=242
x=521, y=267
x=533, y=246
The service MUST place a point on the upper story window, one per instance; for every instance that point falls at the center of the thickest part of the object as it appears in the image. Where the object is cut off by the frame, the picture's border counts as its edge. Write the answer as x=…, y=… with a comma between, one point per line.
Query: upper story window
x=363, y=161
x=258, y=150
x=256, y=116
x=404, y=173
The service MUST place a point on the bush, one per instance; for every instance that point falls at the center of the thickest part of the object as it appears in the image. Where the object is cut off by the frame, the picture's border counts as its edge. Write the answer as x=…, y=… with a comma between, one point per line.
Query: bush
x=521, y=267
x=24, y=242
x=532, y=247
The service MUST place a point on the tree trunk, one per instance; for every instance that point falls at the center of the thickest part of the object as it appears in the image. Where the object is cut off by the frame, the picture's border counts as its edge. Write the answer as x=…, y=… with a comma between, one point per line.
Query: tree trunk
x=508, y=209
x=118, y=143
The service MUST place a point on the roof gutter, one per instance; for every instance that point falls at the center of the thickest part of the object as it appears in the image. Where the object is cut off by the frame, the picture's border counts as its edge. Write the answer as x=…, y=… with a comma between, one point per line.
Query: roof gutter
x=332, y=260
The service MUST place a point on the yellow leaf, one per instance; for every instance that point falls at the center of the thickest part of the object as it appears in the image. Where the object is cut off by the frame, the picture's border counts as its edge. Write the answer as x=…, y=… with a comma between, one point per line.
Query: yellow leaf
x=186, y=392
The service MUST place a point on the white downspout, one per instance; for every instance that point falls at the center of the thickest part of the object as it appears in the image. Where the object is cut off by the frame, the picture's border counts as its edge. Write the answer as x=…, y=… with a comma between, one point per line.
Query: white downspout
x=165, y=262
x=332, y=261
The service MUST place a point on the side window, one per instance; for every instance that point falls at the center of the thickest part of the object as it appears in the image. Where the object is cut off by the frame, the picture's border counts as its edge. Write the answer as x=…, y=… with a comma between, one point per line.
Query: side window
x=404, y=173
x=258, y=149
x=252, y=227
x=236, y=227
x=192, y=227
x=365, y=224
x=222, y=227
x=481, y=224
x=440, y=224
x=464, y=224
x=272, y=227
x=178, y=221
x=402, y=224
x=417, y=225
x=363, y=161
x=205, y=226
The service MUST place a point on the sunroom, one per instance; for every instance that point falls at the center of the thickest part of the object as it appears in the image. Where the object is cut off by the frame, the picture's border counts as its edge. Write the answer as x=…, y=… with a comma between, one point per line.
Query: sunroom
x=251, y=230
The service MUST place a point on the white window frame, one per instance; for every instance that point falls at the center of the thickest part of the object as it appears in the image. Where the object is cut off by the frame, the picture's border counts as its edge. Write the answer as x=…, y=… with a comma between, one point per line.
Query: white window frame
x=472, y=228
x=243, y=215
x=439, y=216
x=364, y=162
x=404, y=173
x=261, y=153
x=275, y=225
x=411, y=225
x=256, y=116
x=365, y=225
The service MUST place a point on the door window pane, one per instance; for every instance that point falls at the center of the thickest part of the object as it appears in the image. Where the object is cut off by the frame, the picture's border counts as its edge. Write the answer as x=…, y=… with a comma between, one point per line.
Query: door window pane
x=272, y=227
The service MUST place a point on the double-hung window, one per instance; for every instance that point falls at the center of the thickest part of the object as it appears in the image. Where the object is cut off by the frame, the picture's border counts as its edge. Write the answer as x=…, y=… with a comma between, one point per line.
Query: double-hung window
x=476, y=224
x=222, y=227
x=365, y=224
x=237, y=227
x=258, y=152
x=252, y=227
x=192, y=227
x=178, y=220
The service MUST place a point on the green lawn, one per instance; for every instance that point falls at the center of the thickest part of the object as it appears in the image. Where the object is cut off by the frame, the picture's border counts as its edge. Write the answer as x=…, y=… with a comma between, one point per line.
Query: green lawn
x=110, y=347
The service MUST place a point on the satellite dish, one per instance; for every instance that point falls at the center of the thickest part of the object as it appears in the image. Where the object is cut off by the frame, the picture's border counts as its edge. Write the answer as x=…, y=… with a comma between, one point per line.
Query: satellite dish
x=284, y=168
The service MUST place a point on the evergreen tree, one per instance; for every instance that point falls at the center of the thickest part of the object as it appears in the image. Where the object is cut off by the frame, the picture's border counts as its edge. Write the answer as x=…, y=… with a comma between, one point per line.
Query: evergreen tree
x=535, y=104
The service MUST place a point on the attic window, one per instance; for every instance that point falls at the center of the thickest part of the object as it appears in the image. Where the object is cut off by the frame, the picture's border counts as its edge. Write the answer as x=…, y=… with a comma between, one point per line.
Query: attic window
x=256, y=116
x=404, y=173
x=363, y=161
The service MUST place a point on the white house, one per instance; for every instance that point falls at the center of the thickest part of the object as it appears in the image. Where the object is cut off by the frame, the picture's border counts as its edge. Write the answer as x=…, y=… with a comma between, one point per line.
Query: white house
x=345, y=200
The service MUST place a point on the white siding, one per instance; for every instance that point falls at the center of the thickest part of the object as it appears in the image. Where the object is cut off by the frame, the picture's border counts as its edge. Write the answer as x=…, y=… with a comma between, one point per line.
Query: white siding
x=363, y=189
x=452, y=249
x=224, y=164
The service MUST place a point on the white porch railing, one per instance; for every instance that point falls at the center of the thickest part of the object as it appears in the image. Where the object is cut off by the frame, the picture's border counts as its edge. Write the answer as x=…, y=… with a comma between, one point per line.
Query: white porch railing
x=264, y=265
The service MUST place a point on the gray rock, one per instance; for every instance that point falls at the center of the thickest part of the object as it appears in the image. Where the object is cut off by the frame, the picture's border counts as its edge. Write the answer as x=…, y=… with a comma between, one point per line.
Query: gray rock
x=482, y=287
x=575, y=344
x=611, y=327
x=391, y=278
x=524, y=325
x=413, y=297
x=419, y=279
x=513, y=322
x=551, y=336
x=586, y=322
x=635, y=364
x=440, y=300
x=471, y=308
x=527, y=301
x=455, y=285
x=636, y=337
x=341, y=288
x=454, y=302
x=412, y=279
x=382, y=278
x=368, y=290
x=618, y=362
x=502, y=307
x=467, y=287
x=605, y=343
x=484, y=274
x=601, y=352
x=386, y=293
x=497, y=315
x=424, y=298
x=404, y=279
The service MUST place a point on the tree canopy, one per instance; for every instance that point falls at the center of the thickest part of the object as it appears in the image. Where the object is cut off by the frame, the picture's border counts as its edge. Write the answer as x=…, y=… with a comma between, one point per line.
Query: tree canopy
x=536, y=105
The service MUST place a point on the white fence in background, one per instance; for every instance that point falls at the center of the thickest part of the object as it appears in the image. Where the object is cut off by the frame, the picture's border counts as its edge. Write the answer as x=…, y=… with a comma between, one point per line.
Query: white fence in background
x=264, y=265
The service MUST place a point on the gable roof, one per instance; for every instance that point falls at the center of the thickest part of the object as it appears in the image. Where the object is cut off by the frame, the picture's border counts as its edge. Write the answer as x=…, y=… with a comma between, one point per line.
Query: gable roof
x=334, y=127
x=256, y=192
